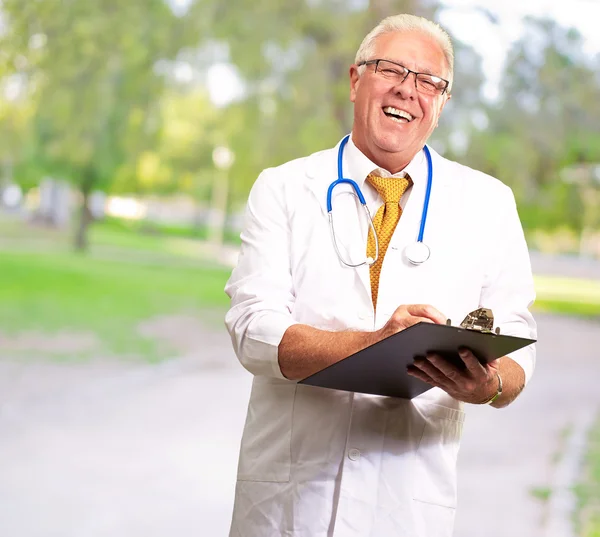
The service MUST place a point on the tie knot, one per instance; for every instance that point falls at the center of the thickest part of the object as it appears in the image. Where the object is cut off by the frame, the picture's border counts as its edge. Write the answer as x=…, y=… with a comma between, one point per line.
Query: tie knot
x=389, y=188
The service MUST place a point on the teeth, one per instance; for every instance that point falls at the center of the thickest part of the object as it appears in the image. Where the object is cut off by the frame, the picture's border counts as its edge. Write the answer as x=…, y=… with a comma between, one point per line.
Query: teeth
x=398, y=113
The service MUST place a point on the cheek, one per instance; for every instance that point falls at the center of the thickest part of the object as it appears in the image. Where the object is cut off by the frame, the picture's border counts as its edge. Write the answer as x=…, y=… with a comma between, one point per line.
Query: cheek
x=438, y=106
x=361, y=106
x=357, y=89
x=431, y=113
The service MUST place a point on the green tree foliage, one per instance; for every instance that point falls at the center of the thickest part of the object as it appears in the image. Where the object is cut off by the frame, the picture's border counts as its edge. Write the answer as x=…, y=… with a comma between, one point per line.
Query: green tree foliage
x=180, y=158
x=295, y=58
x=88, y=68
x=547, y=119
x=91, y=95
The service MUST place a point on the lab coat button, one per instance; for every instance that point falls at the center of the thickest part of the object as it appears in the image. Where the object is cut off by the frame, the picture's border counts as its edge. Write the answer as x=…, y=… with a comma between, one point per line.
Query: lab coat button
x=354, y=454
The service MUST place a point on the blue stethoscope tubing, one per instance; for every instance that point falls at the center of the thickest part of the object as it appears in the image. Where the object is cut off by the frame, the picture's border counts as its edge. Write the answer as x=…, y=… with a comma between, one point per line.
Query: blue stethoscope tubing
x=418, y=252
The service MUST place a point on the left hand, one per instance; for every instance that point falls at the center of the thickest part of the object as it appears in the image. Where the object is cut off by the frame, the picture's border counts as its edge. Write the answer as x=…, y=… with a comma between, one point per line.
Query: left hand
x=475, y=383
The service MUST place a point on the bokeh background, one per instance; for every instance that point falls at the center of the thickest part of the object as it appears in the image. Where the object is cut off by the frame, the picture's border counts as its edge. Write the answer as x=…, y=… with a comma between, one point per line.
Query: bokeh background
x=130, y=135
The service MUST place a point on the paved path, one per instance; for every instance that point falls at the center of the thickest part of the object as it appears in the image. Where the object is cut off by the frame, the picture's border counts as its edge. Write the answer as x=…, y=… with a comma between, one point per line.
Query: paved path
x=506, y=453
x=150, y=451
x=569, y=266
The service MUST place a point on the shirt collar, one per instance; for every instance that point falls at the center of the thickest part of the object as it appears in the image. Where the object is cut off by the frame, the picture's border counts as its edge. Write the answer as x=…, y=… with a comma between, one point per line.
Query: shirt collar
x=358, y=166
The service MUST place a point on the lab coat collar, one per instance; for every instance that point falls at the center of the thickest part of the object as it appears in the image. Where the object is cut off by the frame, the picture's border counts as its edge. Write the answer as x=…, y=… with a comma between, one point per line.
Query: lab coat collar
x=360, y=166
x=321, y=170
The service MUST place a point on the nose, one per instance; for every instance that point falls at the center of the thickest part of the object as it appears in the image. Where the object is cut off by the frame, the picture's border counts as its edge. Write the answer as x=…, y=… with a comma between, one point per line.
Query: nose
x=407, y=87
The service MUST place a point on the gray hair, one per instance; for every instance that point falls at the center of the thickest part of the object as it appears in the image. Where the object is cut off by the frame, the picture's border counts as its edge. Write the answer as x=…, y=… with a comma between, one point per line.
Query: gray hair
x=407, y=23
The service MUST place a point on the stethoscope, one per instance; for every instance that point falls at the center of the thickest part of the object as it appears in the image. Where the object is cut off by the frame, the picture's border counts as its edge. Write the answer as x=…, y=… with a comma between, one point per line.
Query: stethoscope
x=417, y=252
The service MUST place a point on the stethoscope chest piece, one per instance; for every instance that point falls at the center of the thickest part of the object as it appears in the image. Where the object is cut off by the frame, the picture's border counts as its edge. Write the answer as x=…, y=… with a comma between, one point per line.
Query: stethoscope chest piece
x=417, y=252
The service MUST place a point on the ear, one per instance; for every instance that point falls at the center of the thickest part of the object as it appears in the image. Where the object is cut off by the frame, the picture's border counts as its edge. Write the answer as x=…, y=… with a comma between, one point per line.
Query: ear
x=354, y=82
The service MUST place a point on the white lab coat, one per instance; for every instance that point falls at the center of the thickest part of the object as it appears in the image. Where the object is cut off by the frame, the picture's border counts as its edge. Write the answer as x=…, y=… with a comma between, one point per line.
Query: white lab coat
x=325, y=463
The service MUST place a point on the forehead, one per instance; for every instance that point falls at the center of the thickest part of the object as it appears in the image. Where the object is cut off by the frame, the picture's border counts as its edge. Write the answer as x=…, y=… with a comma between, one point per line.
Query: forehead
x=414, y=50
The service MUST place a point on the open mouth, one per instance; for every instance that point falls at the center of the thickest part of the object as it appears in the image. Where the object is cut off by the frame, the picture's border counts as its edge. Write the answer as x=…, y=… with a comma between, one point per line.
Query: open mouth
x=400, y=116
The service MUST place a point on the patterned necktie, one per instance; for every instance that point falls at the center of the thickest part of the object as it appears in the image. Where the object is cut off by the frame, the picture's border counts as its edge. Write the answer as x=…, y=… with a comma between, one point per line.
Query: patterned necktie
x=386, y=218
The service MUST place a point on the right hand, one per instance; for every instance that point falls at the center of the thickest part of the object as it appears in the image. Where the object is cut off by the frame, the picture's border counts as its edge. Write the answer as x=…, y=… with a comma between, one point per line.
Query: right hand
x=409, y=315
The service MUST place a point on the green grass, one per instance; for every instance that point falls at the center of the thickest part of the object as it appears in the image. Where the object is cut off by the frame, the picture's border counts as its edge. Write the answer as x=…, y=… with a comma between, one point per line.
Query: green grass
x=65, y=291
x=578, y=309
x=568, y=296
x=130, y=275
x=588, y=490
x=52, y=292
x=541, y=493
x=153, y=229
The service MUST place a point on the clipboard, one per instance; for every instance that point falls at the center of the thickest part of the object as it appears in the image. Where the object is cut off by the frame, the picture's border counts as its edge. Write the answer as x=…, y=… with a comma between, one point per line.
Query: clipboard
x=381, y=368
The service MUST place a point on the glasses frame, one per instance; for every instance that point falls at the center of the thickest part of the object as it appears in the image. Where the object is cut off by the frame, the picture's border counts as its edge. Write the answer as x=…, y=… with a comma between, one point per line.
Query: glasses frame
x=408, y=72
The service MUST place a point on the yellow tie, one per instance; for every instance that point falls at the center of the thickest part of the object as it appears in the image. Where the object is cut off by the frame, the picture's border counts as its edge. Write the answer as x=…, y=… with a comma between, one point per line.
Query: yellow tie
x=386, y=218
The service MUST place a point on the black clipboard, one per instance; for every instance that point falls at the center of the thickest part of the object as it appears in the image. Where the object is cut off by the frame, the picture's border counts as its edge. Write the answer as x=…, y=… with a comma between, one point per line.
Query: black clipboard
x=381, y=368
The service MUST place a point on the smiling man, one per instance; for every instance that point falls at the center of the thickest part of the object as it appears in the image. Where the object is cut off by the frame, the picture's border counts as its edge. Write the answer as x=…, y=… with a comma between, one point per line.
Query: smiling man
x=413, y=108
x=309, y=291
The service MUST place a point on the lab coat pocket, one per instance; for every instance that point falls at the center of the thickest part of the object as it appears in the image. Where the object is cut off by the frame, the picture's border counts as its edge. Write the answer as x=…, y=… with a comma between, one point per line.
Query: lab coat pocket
x=437, y=454
x=265, y=453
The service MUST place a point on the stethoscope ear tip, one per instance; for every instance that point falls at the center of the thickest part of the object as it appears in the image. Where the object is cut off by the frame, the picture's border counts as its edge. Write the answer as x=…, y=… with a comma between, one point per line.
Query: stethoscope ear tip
x=370, y=261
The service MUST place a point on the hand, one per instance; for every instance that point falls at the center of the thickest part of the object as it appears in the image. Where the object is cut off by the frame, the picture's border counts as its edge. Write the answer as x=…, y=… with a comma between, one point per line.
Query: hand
x=475, y=383
x=408, y=315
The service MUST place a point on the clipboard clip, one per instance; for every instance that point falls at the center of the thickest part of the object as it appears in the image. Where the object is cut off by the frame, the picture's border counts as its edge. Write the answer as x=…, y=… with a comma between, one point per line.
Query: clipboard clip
x=480, y=320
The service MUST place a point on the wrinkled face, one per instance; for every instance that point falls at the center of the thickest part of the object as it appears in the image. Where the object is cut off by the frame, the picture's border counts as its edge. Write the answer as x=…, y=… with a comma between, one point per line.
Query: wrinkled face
x=392, y=120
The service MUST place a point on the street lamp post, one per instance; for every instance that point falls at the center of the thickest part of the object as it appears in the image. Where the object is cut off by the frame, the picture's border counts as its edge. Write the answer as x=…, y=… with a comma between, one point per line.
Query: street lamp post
x=223, y=158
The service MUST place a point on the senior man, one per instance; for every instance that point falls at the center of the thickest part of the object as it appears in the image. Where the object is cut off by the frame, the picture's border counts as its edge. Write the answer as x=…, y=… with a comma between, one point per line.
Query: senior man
x=316, y=462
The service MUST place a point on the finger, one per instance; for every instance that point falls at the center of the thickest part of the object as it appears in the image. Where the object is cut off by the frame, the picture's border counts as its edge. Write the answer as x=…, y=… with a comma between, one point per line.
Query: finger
x=471, y=361
x=410, y=321
x=427, y=311
x=447, y=369
x=436, y=374
x=417, y=373
x=401, y=321
x=493, y=365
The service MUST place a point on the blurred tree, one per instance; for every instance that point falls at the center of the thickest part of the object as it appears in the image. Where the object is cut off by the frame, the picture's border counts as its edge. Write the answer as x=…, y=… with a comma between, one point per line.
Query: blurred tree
x=294, y=57
x=89, y=68
x=466, y=107
x=16, y=114
x=180, y=160
x=546, y=119
x=94, y=93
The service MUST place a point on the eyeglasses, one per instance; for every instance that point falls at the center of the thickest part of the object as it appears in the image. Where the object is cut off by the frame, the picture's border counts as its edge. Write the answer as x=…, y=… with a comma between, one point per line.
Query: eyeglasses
x=424, y=82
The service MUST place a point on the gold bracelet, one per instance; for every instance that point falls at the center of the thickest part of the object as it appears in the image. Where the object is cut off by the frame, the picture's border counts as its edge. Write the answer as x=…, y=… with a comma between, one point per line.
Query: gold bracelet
x=497, y=394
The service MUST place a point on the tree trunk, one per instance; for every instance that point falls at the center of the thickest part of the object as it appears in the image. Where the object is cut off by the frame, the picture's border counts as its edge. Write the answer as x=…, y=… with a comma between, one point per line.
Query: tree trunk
x=85, y=216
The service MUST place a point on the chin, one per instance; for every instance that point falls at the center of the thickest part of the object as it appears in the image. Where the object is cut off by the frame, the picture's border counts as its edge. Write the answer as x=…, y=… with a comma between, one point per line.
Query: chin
x=390, y=144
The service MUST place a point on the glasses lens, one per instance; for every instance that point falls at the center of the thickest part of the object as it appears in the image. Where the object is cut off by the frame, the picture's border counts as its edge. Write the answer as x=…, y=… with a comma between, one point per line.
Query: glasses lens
x=430, y=84
x=391, y=70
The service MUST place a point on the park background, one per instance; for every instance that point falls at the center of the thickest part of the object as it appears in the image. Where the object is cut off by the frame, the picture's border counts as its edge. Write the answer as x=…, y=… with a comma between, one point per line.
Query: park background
x=131, y=134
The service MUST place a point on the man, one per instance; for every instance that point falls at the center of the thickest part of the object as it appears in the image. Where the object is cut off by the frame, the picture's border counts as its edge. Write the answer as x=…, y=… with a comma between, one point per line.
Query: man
x=316, y=462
